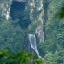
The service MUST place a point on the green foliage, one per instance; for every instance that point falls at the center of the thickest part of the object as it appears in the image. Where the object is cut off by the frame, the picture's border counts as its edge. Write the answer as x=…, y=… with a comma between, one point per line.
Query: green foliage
x=33, y=26
x=40, y=61
x=60, y=14
x=53, y=7
x=11, y=35
x=19, y=58
x=53, y=46
x=54, y=41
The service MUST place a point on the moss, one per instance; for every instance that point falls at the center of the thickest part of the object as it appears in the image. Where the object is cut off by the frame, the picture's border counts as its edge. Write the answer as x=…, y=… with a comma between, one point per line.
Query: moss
x=33, y=26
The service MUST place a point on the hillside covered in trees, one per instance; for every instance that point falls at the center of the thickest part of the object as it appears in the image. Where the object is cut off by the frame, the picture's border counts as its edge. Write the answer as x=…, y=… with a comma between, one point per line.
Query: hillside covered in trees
x=32, y=31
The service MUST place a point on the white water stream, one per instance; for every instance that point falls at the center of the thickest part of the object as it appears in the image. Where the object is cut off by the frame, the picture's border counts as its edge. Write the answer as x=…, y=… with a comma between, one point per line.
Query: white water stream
x=32, y=40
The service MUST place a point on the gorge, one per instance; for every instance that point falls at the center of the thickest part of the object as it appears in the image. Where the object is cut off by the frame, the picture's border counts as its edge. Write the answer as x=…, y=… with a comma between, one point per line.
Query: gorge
x=35, y=26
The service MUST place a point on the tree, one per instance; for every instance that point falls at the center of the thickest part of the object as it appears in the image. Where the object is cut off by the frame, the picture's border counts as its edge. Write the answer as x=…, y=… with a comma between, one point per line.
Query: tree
x=12, y=36
x=18, y=58
x=54, y=28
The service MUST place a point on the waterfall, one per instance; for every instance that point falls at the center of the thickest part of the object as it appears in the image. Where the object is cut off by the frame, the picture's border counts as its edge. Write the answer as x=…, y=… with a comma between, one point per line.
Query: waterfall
x=32, y=40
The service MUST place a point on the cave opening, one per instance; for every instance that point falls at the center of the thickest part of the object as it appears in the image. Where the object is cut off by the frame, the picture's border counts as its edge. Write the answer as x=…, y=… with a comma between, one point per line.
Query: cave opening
x=18, y=11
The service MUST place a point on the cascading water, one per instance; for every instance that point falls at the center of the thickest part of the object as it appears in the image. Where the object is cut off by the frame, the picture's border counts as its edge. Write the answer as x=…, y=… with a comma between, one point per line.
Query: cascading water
x=32, y=40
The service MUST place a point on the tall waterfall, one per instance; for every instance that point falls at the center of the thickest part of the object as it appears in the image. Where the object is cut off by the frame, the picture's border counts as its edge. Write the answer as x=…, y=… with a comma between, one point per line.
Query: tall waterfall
x=32, y=40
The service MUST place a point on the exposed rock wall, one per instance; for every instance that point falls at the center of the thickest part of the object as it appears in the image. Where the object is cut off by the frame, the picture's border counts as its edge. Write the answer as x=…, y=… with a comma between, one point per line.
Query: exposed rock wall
x=36, y=13
x=5, y=8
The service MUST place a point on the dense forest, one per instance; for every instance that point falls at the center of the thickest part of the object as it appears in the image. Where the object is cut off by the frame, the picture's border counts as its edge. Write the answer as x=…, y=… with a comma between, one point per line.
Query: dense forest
x=44, y=19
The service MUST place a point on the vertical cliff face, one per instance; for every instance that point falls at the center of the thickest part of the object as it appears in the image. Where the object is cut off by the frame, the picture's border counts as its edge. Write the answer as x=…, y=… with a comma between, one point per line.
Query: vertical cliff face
x=5, y=8
x=36, y=12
